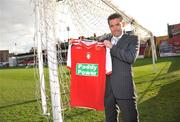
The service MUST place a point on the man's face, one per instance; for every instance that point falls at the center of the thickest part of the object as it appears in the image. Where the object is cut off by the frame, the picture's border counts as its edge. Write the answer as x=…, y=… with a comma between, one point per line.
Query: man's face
x=115, y=26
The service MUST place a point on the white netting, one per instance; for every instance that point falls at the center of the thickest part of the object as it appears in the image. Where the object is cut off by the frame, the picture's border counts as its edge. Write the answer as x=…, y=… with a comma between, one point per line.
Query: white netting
x=55, y=23
x=90, y=16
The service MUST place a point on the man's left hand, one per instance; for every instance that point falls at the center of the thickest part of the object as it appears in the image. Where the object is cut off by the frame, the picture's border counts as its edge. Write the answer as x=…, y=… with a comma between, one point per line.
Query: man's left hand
x=108, y=44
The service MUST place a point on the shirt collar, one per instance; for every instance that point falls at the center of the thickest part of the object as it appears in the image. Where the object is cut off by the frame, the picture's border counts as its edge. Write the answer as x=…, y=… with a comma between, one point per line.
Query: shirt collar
x=117, y=38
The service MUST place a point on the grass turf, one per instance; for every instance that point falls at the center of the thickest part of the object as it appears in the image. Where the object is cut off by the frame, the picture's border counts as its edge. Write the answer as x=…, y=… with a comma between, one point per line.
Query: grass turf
x=158, y=94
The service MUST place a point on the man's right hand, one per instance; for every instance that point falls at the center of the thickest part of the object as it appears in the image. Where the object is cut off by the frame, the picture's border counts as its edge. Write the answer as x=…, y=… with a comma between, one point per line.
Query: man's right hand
x=70, y=41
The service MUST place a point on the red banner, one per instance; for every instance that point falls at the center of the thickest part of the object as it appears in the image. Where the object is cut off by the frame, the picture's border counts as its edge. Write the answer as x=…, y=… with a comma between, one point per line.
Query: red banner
x=170, y=47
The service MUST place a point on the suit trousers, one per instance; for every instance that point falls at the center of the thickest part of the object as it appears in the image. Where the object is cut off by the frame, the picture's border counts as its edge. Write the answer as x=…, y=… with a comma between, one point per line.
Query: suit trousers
x=128, y=108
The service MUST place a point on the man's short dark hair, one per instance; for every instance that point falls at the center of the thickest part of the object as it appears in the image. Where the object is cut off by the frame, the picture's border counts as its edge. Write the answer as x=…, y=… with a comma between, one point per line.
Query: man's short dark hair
x=114, y=16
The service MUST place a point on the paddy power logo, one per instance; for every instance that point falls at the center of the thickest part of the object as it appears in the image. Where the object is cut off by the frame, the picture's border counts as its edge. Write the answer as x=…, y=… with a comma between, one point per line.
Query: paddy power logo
x=87, y=69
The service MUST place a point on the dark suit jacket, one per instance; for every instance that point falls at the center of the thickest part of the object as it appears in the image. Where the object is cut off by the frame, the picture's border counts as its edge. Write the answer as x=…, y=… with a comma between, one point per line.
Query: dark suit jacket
x=123, y=54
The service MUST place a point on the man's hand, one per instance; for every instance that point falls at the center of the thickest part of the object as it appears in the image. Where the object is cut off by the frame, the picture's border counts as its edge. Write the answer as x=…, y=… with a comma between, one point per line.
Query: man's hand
x=108, y=44
x=70, y=41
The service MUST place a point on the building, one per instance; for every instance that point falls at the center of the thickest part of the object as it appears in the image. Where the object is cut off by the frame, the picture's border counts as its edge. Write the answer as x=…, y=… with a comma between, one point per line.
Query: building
x=4, y=55
x=4, y=58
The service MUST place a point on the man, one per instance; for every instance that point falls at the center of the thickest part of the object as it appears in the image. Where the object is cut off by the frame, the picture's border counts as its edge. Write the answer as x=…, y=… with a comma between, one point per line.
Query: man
x=120, y=87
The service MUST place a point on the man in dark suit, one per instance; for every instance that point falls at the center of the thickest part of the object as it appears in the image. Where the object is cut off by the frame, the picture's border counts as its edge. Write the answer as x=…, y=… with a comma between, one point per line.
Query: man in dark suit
x=120, y=87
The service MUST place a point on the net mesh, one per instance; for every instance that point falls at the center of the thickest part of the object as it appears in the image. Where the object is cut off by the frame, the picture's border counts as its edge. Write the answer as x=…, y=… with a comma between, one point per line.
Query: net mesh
x=60, y=20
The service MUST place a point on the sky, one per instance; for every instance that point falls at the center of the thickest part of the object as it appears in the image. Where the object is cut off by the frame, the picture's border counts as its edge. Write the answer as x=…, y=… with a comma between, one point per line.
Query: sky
x=16, y=25
x=17, y=19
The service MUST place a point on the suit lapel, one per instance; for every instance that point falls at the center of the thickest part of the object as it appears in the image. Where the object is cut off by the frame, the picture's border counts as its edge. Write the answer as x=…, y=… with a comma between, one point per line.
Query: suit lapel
x=121, y=40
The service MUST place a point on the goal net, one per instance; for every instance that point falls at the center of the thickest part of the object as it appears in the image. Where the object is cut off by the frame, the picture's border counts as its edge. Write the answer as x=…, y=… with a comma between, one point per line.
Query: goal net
x=55, y=22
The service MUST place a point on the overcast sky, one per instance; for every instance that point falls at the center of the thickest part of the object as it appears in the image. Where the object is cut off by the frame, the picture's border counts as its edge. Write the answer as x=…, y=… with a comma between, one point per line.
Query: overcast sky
x=17, y=20
x=16, y=25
